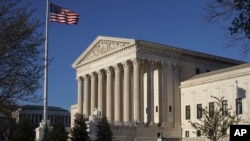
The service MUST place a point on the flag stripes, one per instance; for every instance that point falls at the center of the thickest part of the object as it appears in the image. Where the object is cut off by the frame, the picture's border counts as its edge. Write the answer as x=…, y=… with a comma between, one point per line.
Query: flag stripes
x=63, y=15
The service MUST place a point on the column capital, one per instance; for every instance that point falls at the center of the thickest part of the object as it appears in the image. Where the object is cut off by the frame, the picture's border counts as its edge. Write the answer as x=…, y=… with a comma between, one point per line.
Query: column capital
x=163, y=65
x=169, y=66
x=79, y=79
x=150, y=60
x=93, y=75
x=176, y=66
x=108, y=69
x=86, y=77
x=136, y=61
x=117, y=67
x=126, y=64
x=100, y=72
x=150, y=64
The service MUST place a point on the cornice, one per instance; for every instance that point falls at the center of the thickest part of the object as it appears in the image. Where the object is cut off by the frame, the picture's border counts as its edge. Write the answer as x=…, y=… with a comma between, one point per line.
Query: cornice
x=166, y=51
x=218, y=75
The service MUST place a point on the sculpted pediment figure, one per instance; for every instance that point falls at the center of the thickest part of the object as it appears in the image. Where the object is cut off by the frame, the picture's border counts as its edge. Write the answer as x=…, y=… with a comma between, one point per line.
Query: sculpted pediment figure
x=101, y=46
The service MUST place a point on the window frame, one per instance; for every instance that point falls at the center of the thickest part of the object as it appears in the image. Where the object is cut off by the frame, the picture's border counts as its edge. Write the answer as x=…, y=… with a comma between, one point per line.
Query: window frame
x=187, y=134
x=198, y=133
x=211, y=108
x=239, y=106
x=199, y=111
x=188, y=112
x=224, y=107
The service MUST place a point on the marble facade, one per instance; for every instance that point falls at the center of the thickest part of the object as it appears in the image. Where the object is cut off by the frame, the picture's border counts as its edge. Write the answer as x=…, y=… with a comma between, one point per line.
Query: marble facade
x=232, y=83
x=136, y=83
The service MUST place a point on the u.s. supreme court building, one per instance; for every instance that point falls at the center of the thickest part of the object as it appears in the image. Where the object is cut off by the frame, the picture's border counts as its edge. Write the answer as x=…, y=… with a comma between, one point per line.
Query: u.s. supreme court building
x=136, y=84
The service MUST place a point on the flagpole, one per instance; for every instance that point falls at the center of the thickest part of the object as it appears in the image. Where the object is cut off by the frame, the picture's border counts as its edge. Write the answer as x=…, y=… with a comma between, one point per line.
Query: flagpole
x=45, y=108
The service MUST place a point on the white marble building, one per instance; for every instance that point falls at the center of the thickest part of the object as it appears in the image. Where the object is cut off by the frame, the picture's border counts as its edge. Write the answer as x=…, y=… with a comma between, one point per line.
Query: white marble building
x=136, y=84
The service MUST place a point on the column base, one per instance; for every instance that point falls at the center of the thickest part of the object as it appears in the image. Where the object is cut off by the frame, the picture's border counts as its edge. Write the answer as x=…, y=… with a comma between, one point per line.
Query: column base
x=118, y=123
x=149, y=124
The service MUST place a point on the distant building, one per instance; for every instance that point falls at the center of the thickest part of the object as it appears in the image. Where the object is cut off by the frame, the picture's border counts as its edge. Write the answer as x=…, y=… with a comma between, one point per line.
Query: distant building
x=34, y=114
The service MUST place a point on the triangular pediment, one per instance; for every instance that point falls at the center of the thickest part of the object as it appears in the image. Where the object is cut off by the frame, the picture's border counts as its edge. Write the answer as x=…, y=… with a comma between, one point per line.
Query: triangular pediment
x=102, y=46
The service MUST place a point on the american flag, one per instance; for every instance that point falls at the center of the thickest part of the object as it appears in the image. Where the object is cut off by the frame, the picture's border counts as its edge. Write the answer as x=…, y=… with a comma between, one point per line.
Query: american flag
x=63, y=15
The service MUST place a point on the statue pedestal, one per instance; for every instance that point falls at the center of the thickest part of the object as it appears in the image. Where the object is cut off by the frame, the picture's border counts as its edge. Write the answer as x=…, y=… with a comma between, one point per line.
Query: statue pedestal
x=42, y=131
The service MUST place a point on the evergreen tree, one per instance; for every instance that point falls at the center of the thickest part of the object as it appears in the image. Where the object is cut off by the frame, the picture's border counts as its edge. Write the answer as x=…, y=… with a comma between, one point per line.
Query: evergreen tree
x=215, y=123
x=79, y=131
x=7, y=123
x=103, y=130
x=23, y=131
x=58, y=132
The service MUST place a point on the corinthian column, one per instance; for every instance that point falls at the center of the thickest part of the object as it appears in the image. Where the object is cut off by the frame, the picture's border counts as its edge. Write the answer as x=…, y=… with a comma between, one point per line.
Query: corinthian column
x=86, y=97
x=150, y=92
x=93, y=92
x=109, y=94
x=177, y=97
x=100, y=91
x=126, y=93
x=170, y=93
x=80, y=95
x=164, y=101
x=117, y=94
x=136, y=96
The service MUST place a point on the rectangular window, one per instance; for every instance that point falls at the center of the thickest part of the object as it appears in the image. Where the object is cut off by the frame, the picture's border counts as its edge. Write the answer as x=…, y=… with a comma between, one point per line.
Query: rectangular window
x=211, y=108
x=239, y=106
x=156, y=109
x=188, y=112
x=199, y=111
x=170, y=109
x=224, y=107
x=197, y=71
x=198, y=133
x=187, y=134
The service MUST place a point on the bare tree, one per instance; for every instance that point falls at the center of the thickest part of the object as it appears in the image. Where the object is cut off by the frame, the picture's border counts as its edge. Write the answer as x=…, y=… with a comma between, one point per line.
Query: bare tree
x=235, y=17
x=21, y=61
